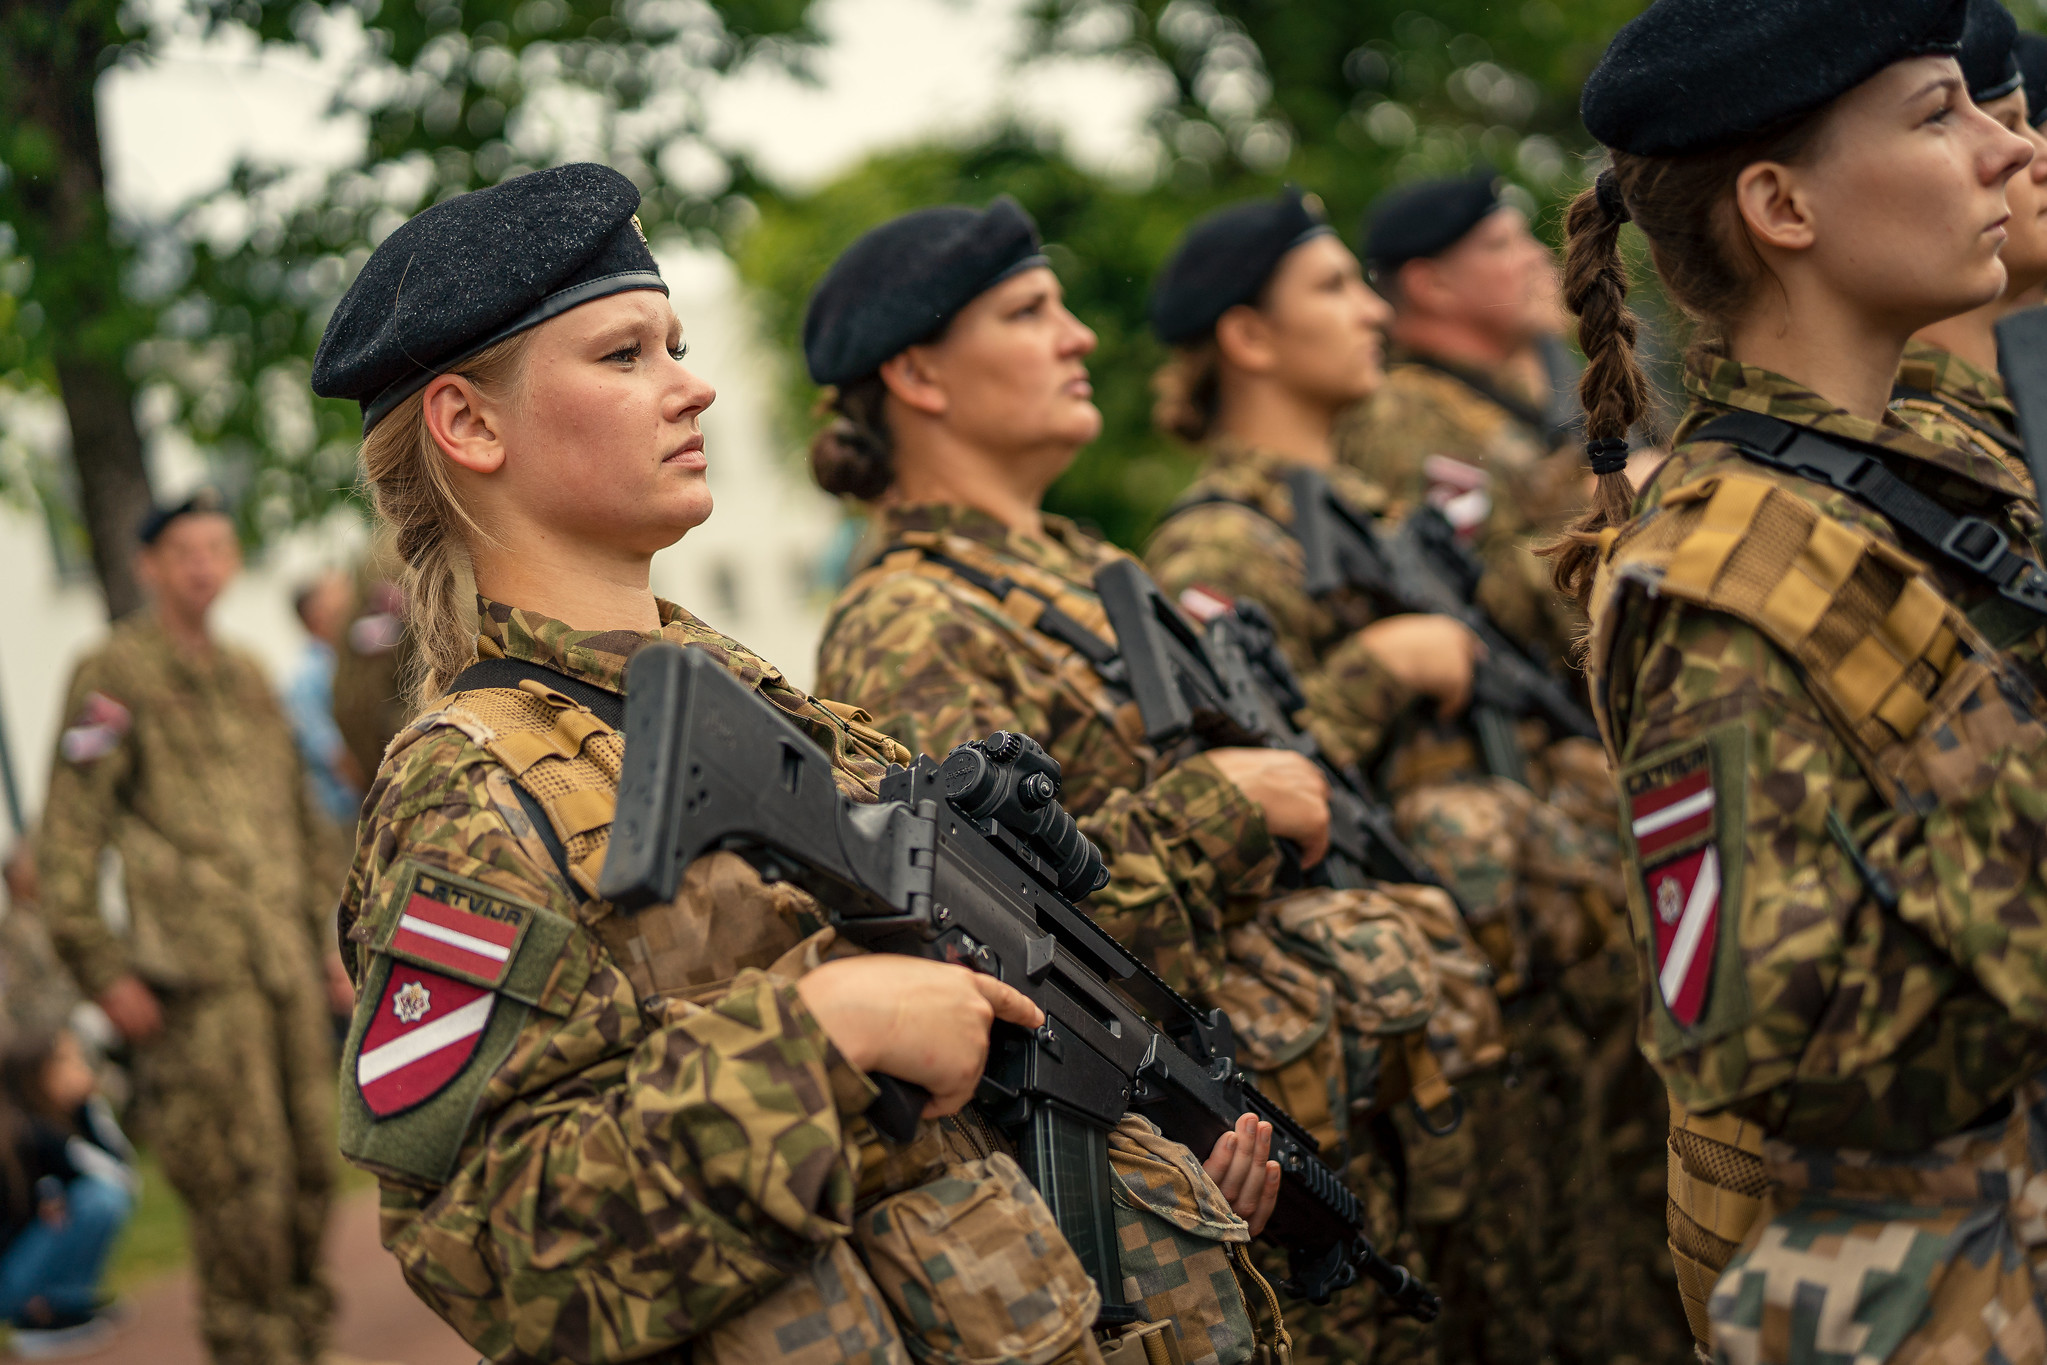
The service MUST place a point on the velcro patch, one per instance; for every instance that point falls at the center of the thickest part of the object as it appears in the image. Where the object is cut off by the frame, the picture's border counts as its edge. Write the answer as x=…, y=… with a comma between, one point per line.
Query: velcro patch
x=422, y=1033
x=1672, y=812
x=101, y=725
x=458, y=928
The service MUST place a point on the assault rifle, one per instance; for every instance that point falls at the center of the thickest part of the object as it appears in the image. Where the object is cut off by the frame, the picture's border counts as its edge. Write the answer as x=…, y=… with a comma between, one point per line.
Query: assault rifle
x=1424, y=568
x=2022, y=360
x=974, y=862
x=1231, y=685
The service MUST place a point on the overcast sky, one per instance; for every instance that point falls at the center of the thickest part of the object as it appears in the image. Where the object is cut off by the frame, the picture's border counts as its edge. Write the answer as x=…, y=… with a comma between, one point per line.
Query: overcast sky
x=894, y=70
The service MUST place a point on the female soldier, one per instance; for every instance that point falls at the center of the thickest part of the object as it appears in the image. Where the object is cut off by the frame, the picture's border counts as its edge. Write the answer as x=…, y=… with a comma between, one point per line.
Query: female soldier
x=1543, y=1244
x=962, y=394
x=1829, y=773
x=601, y=1136
x=1949, y=389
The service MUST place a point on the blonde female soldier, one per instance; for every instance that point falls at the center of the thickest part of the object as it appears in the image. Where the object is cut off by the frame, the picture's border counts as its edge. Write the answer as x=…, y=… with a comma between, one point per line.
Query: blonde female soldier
x=1830, y=776
x=604, y=1137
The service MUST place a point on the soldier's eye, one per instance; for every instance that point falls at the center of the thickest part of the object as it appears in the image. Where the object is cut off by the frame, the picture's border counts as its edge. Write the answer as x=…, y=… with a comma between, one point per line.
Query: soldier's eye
x=625, y=355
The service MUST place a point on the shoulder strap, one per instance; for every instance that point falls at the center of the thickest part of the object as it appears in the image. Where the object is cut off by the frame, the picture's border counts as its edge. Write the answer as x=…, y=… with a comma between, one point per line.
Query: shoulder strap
x=1214, y=499
x=607, y=706
x=2005, y=440
x=1968, y=543
x=1050, y=620
x=1519, y=408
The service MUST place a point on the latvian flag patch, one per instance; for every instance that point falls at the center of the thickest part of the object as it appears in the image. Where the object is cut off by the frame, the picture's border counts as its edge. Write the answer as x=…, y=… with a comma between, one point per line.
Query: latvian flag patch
x=453, y=928
x=1671, y=809
x=424, y=1031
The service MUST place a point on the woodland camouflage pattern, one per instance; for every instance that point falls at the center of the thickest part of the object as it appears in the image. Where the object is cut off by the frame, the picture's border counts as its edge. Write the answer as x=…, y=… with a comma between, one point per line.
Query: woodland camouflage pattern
x=1977, y=393
x=1545, y=1248
x=1833, y=1022
x=1533, y=487
x=193, y=777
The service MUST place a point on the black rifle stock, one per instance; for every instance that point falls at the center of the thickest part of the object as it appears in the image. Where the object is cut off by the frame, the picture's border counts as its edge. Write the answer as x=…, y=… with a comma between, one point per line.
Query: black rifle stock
x=2022, y=359
x=1230, y=685
x=1424, y=568
x=710, y=766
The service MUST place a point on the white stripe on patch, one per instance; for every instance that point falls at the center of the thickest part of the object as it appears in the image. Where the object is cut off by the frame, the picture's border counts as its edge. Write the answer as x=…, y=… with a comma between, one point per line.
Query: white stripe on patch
x=454, y=938
x=1676, y=813
x=466, y=1022
x=1698, y=909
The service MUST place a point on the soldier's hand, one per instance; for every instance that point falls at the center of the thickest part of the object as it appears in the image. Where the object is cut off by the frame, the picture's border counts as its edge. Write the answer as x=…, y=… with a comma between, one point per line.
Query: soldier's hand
x=1289, y=789
x=919, y=1021
x=1242, y=1169
x=133, y=1008
x=1431, y=655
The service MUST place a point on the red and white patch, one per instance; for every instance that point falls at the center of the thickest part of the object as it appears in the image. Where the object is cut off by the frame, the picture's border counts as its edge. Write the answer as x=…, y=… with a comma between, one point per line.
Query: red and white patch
x=424, y=1031
x=101, y=726
x=1666, y=816
x=1684, y=907
x=1205, y=604
x=460, y=940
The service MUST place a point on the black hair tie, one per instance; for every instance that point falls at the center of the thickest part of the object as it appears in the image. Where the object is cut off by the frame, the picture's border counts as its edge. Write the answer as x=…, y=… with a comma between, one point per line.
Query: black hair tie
x=1609, y=455
x=1608, y=188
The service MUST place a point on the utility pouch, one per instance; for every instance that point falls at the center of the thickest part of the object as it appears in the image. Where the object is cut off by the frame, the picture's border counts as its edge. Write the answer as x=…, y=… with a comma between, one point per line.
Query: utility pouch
x=830, y=1312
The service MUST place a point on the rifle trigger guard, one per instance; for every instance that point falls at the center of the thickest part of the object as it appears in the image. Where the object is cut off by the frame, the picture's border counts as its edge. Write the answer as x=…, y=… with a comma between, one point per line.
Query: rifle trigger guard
x=1421, y=1115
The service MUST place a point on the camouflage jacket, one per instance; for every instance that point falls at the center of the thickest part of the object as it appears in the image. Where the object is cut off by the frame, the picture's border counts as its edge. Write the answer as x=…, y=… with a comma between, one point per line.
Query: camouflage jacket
x=1437, y=431
x=1945, y=398
x=590, y=1176
x=187, y=768
x=1229, y=535
x=938, y=661
x=1832, y=828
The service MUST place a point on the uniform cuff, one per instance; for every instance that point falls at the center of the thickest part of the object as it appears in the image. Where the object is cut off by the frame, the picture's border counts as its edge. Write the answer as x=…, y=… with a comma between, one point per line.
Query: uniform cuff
x=1352, y=700
x=851, y=1090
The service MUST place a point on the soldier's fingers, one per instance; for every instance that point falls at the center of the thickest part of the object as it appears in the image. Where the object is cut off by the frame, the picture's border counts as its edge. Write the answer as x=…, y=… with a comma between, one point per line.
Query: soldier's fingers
x=1008, y=1002
x=1268, y=1199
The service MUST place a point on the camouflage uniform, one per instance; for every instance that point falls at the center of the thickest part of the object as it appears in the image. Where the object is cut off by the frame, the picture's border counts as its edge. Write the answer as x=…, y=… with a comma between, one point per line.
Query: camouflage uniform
x=1945, y=398
x=186, y=767
x=939, y=658
x=648, y=1140
x=1541, y=1215
x=1856, y=859
x=1527, y=478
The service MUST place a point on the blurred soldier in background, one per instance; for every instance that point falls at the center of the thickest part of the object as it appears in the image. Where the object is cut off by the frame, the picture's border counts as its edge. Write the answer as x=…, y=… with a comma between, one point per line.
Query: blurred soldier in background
x=371, y=657
x=176, y=756
x=1476, y=414
x=324, y=606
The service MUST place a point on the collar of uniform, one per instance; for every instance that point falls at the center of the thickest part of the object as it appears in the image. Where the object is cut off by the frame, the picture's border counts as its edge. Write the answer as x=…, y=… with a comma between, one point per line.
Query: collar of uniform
x=1240, y=472
x=1501, y=385
x=1064, y=549
x=599, y=657
x=1939, y=370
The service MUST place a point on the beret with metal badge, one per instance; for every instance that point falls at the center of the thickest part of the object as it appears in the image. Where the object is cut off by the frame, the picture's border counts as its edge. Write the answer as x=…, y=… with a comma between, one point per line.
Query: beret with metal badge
x=902, y=282
x=1692, y=75
x=1226, y=258
x=476, y=269
x=2030, y=52
x=1989, y=65
x=1427, y=218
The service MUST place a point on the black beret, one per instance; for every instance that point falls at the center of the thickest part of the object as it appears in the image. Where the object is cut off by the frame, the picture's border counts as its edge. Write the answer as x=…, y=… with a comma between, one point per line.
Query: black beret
x=1225, y=259
x=2030, y=51
x=1986, y=56
x=153, y=523
x=1691, y=75
x=1427, y=218
x=903, y=281
x=478, y=268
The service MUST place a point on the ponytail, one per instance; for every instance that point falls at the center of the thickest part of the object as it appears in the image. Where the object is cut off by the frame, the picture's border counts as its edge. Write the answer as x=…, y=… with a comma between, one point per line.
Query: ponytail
x=431, y=530
x=1614, y=391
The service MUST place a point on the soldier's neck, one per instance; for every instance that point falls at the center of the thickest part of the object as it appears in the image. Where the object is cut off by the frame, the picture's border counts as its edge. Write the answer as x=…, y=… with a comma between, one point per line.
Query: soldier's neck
x=934, y=468
x=187, y=631
x=577, y=589
x=1825, y=341
x=1453, y=340
x=1267, y=417
x=1970, y=335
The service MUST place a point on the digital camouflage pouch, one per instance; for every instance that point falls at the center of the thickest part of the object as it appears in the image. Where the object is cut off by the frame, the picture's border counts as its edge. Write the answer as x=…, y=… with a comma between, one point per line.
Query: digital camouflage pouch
x=829, y=1314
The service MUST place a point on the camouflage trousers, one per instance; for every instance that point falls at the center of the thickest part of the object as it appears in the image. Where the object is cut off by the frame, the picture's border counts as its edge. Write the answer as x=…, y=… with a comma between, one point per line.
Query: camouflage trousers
x=236, y=1097
x=1862, y=1258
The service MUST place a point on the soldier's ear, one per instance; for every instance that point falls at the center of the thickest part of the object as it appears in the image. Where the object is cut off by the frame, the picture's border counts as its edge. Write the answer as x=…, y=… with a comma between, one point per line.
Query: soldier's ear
x=911, y=378
x=1243, y=338
x=461, y=424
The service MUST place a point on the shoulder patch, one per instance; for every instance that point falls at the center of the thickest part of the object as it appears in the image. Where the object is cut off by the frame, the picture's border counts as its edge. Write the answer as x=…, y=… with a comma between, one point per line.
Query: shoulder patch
x=421, y=1034
x=1672, y=814
x=101, y=725
x=454, y=925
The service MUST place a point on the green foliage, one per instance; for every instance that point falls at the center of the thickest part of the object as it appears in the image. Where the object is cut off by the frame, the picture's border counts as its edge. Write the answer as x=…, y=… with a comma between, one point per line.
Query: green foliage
x=1345, y=98
x=217, y=312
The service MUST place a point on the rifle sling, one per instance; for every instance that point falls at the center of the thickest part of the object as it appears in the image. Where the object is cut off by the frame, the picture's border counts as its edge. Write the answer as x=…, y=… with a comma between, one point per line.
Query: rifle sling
x=1968, y=543
x=2004, y=440
x=1051, y=621
x=608, y=707
x=1520, y=409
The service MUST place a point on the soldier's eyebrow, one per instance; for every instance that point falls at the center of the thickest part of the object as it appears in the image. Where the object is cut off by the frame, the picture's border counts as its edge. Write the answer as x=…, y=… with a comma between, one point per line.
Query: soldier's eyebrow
x=1945, y=84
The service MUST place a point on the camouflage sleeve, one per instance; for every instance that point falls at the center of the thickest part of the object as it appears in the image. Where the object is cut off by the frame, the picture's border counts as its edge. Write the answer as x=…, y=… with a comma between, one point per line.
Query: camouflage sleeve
x=1235, y=552
x=1737, y=789
x=630, y=1176
x=94, y=759
x=935, y=676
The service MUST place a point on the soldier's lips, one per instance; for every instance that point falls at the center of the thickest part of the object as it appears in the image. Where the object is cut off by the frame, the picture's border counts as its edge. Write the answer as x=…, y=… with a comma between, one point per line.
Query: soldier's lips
x=690, y=456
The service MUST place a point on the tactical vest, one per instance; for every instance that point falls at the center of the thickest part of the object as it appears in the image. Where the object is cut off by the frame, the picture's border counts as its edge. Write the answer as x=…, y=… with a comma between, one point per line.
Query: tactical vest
x=1345, y=1004
x=1921, y=699
x=954, y=1194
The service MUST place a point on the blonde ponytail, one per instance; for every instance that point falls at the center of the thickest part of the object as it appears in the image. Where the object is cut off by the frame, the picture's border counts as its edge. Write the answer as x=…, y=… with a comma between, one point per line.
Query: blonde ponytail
x=415, y=496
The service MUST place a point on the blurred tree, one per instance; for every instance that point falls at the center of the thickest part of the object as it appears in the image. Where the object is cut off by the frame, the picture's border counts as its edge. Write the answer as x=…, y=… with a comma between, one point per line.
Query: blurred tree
x=211, y=319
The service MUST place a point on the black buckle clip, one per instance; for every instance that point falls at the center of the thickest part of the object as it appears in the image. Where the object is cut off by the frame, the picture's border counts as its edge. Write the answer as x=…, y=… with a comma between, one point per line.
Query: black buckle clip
x=1975, y=543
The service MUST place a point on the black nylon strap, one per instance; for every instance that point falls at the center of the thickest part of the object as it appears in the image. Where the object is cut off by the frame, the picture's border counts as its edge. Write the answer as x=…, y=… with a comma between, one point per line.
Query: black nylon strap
x=1051, y=622
x=607, y=706
x=2007, y=440
x=1969, y=543
x=1517, y=407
